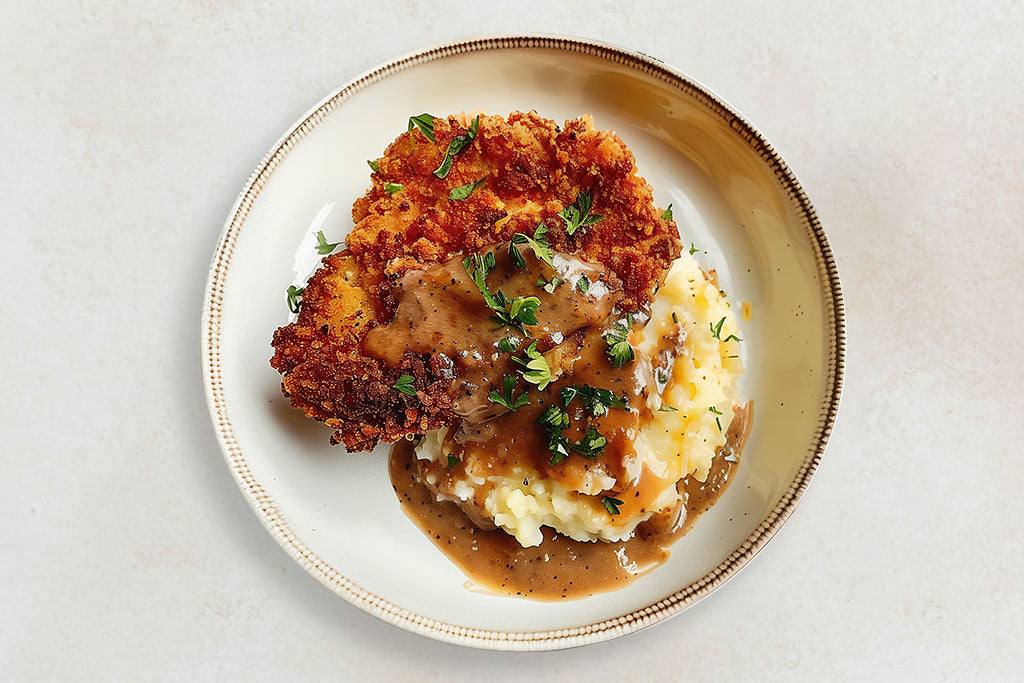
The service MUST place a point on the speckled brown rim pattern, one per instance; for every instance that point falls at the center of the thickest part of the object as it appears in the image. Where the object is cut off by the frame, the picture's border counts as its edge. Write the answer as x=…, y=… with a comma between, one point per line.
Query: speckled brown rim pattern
x=265, y=507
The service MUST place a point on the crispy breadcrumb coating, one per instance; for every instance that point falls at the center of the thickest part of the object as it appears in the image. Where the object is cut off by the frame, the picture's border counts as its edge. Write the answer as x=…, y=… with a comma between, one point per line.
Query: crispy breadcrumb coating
x=532, y=170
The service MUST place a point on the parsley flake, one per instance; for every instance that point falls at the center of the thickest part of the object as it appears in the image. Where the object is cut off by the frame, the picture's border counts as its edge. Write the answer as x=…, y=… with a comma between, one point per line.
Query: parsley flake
x=323, y=247
x=693, y=249
x=452, y=461
x=295, y=297
x=405, y=385
x=611, y=504
x=392, y=188
x=554, y=420
x=551, y=286
x=619, y=350
x=506, y=345
x=595, y=400
x=538, y=243
x=374, y=165
x=583, y=284
x=425, y=122
x=666, y=408
x=577, y=215
x=537, y=369
x=668, y=213
x=716, y=332
x=593, y=443
x=507, y=396
x=463, y=191
x=455, y=146
x=717, y=412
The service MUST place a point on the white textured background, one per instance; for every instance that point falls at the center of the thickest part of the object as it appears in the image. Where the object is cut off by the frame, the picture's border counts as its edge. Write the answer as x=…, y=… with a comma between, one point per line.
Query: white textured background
x=128, y=552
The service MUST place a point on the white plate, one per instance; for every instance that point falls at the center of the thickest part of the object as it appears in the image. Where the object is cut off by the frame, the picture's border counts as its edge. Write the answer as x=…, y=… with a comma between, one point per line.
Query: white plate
x=733, y=197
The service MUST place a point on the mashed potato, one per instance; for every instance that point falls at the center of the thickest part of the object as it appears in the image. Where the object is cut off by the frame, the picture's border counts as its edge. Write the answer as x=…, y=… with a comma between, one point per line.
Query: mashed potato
x=700, y=382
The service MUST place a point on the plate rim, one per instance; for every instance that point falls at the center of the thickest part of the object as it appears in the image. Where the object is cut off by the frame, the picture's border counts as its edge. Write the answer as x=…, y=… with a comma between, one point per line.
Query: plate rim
x=264, y=506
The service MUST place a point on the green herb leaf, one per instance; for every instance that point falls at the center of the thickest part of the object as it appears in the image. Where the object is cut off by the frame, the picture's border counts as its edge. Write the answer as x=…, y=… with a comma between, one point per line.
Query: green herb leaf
x=577, y=215
x=455, y=146
x=477, y=267
x=662, y=376
x=619, y=350
x=452, y=461
x=716, y=332
x=464, y=191
x=507, y=396
x=611, y=504
x=668, y=213
x=718, y=421
x=693, y=249
x=583, y=284
x=323, y=247
x=405, y=385
x=295, y=297
x=592, y=444
x=675, y=318
x=551, y=286
x=505, y=345
x=392, y=188
x=594, y=399
x=666, y=408
x=375, y=166
x=537, y=370
x=425, y=122
x=554, y=420
x=538, y=243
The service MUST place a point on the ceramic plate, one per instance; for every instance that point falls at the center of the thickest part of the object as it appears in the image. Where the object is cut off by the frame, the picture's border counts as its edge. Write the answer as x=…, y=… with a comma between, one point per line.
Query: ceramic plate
x=733, y=197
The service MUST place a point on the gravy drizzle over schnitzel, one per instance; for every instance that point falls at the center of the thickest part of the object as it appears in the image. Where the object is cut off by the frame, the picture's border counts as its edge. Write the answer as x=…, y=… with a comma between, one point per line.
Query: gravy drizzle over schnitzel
x=367, y=322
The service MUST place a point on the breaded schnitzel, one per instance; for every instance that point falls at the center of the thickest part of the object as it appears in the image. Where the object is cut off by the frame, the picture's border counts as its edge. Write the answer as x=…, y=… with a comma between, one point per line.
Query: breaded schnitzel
x=428, y=204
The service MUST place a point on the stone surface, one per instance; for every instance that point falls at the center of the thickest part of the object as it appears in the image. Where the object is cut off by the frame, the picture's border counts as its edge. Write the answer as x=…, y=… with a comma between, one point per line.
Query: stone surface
x=128, y=551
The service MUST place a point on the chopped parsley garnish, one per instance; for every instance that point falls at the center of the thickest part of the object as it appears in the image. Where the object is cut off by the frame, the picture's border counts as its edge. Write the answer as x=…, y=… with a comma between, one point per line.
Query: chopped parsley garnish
x=718, y=421
x=507, y=396
x=668, y=213
x=662, y=376
x=392, y=188
x=554, y=420
x=551, y=286
x=425, y=122
x=323, y=247
x=518, y=313
x=455, y=146
x=539, y=244
x=716, y=332
x=505, y=345
x=693, y=249
x=404, y=384
x=619, y=350
x=295, y=297
x=675, y=318
x=592, y=445
x=611, y=504
x=375, y=166
x=583, y=284
x=577, y=215
x=537, y=369
x=453, y=460
x=666, y=408
x=596, y=400
x=464, y=191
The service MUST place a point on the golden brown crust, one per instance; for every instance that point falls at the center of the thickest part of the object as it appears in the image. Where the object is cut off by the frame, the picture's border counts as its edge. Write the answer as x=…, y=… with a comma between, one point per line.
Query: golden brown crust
x=533, y=169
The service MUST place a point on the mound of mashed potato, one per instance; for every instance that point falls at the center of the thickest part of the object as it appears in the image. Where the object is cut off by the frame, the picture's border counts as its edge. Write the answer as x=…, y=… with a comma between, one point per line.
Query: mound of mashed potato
x=684, y=415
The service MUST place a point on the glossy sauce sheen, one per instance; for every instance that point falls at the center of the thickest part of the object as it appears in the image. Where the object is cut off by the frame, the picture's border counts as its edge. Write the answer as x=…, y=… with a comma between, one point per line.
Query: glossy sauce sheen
x=559, y=568
x=441, y=311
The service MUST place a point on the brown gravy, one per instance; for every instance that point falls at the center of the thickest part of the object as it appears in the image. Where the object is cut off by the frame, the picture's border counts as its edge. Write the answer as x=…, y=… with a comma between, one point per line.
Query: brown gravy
x=560, y=568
